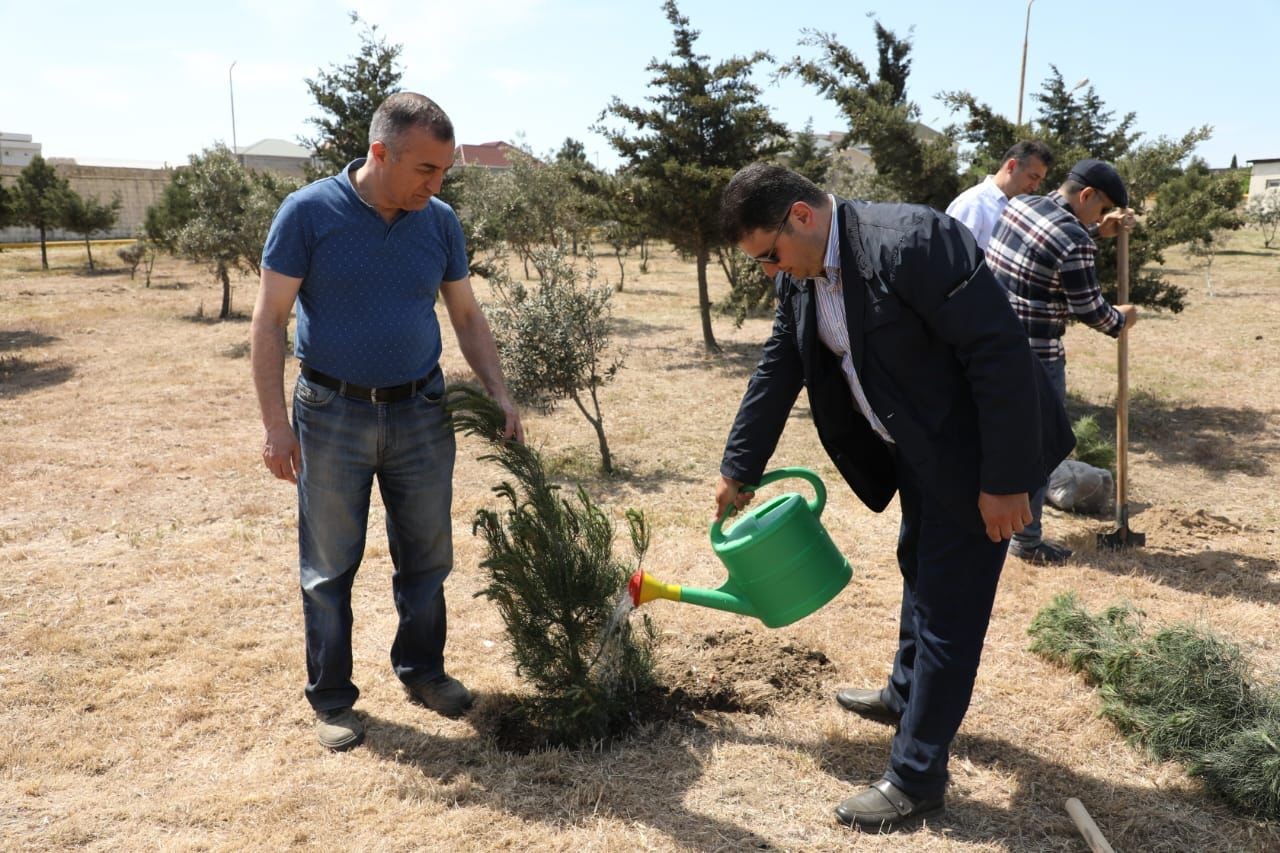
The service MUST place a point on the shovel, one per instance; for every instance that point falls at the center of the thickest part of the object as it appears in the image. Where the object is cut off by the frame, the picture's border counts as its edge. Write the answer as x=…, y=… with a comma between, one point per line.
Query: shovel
x=1122, y=536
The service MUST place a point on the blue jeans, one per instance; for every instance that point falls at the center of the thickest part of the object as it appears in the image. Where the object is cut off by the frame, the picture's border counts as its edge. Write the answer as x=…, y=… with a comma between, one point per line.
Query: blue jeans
x=1030, y=536
x=410, y=446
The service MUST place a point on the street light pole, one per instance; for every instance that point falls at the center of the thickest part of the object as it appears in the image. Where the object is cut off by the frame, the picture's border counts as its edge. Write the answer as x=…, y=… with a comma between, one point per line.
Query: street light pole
x=1022, y=78
x=235, y=149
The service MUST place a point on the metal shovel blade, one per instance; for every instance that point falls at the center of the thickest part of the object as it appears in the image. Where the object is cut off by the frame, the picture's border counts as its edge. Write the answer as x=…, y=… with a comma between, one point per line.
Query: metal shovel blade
x=1122, y=537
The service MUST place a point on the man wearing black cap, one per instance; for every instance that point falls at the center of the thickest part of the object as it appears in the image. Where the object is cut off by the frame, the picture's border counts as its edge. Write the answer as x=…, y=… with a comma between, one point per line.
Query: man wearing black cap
x=1043, y=253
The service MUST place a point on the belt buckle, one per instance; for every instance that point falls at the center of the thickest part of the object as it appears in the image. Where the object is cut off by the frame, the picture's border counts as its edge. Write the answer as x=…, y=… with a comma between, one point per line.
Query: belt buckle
x=373, y=395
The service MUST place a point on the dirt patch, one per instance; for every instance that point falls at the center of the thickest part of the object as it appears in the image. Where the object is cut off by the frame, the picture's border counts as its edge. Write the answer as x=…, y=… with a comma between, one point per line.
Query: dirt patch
x=1174, y=528
x=737, y=671
x=743, y=671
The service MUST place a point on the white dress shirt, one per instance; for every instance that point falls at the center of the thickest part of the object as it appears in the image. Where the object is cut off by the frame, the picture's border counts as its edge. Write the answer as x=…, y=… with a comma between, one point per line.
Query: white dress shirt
x=979, y=207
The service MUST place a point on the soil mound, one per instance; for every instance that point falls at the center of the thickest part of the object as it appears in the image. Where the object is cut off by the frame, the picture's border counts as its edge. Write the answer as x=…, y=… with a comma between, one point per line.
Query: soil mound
x=738, y=671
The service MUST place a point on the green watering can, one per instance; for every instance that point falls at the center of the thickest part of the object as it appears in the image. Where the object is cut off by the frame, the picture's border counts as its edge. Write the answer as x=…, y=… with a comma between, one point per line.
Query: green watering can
x=782, y=564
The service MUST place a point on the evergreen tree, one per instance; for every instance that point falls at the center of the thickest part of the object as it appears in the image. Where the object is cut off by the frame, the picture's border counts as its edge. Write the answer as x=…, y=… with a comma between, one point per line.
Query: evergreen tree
x=1076, y=127
x=348, y=95
x=807, y=158
x=88, y=215
x=174, y=209
x=557, y=584
x=7, y=216
x=1235, y=164
x=1196, y=208
x=702, y=124
x=880, y=116
x=39, y=199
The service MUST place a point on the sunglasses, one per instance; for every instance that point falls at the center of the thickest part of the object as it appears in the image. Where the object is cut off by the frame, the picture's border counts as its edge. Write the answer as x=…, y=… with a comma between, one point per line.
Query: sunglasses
x=771, y=256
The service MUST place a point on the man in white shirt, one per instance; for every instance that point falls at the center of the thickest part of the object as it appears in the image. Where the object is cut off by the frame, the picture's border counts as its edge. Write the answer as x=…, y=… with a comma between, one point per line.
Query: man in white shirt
x=979, y=207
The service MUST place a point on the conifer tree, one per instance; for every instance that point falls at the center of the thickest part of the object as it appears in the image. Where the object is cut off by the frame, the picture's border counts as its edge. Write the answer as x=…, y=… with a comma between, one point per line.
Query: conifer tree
x=39, y=199
x=807, y=158
x=703, y=123
x=553, y=575
x=348, y=95
x=86, y=216
x=915, y=169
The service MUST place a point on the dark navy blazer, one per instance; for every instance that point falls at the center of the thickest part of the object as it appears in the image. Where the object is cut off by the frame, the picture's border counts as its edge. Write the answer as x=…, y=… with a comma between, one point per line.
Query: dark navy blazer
x=944, y=362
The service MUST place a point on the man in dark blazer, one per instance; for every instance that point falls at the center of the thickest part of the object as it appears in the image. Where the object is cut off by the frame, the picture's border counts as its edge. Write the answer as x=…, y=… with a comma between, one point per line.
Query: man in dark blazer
x=921, y=382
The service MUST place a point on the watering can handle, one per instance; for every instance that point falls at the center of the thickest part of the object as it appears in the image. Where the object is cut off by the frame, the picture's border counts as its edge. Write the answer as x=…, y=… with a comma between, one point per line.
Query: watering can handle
x=815, y=506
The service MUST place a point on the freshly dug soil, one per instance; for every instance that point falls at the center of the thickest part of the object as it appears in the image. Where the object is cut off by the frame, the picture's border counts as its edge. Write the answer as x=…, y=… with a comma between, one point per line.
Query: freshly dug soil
x=728, y=671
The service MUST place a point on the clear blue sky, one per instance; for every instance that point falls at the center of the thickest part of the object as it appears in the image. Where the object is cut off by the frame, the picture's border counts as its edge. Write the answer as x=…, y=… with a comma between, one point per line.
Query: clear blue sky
x=149, y=80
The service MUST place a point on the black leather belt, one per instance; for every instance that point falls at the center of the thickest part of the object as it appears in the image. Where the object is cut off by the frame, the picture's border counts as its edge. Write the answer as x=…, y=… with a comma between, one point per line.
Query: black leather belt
x=389, y=394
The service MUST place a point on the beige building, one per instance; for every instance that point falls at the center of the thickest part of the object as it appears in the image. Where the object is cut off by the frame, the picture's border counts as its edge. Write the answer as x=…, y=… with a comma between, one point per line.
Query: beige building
x=1264, y=175
x=857, y=157
x=276, y=155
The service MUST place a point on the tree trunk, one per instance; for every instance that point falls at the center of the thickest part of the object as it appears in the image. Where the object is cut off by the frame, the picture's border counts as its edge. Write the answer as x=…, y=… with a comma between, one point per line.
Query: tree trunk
x=606, y=460
x=622, y=272
x=89, y=251
x=226, y=292
x=704, y=302
x=44, y=254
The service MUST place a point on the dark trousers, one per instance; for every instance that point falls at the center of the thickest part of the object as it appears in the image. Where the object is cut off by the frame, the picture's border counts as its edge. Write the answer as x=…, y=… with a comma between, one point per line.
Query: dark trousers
x=949, y=575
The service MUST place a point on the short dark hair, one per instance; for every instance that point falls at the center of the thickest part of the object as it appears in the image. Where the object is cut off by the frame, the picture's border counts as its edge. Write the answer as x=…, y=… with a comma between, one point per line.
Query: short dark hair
x=1028, y=148
x=758, y=197
x=404, y=110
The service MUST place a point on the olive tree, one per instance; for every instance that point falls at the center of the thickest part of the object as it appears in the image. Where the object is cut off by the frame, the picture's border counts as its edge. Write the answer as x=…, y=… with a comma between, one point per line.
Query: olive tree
x=1263, y=210
x=229, y=212
x=553, y=338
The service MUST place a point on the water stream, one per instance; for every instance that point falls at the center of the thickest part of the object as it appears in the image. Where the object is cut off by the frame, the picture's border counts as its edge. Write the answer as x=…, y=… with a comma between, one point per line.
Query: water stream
x=606, y=660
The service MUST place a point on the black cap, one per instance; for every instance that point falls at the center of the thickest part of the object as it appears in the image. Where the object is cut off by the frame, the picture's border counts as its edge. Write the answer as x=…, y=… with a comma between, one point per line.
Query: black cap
x=1101, y=176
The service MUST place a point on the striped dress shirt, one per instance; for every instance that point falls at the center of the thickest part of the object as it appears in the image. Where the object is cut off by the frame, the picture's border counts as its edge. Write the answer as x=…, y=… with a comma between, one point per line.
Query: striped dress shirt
x=833, y=329
x=1045, y=259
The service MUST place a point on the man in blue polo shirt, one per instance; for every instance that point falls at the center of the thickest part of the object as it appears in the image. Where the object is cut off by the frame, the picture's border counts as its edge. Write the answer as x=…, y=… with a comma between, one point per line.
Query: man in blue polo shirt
x=363, y=254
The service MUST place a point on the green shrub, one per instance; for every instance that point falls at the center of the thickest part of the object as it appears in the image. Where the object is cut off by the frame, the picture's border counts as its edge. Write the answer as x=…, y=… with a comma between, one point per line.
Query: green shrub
x=1092, y=447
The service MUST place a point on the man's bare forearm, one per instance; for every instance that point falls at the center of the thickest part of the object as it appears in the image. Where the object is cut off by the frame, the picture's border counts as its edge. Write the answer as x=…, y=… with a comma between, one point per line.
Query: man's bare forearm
x=267, y=357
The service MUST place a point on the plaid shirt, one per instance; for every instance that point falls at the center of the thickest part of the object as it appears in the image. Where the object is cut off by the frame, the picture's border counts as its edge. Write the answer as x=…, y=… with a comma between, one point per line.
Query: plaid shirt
x=1044, y=258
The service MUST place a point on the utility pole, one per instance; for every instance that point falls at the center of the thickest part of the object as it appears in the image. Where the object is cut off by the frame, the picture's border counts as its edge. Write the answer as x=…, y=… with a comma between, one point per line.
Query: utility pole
x=1022, y=78
x=235, y=149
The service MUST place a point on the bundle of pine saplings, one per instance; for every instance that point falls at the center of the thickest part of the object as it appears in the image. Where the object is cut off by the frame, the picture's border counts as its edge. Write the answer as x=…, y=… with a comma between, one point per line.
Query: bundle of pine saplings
x=556, y=583
x=1181, y=693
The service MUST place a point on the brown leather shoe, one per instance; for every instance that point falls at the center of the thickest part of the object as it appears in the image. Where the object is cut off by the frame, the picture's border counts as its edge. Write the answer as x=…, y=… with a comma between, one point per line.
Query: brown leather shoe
x=869, y=704
x=883, y=807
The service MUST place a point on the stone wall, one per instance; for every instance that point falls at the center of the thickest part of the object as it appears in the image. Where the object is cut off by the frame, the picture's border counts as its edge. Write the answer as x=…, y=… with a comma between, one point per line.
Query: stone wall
x=138, y=190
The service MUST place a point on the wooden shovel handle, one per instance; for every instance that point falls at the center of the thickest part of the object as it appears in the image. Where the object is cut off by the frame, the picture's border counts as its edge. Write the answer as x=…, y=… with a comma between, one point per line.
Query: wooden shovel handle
x=1122, y=390
x=1092, y=835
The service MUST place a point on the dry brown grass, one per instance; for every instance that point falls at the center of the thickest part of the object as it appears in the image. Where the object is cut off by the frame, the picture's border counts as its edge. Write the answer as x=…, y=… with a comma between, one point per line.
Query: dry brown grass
x=151, y=629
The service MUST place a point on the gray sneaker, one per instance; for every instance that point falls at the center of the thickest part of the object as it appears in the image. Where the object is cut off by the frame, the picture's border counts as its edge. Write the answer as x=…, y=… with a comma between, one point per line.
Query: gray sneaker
x=339, y=729
x=446, y=696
